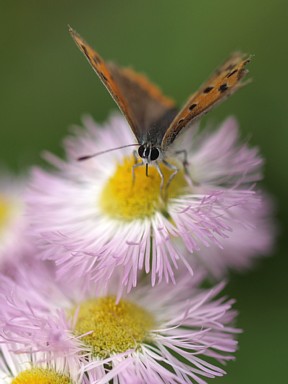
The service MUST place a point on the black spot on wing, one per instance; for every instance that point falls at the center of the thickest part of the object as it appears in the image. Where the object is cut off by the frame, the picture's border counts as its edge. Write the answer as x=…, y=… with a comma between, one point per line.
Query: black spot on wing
x=84, y=50
x=192, y=106
x=103, y=77
x=208, y=89
x=232, y=73
x=223, y=87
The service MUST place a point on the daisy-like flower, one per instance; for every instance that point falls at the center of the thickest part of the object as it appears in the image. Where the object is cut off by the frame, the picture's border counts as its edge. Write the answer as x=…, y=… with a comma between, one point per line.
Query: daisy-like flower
x=244, y=244
x=33, y=368
x=92, y=217
x=32, y=326
x=14, y=242
x=178, y=334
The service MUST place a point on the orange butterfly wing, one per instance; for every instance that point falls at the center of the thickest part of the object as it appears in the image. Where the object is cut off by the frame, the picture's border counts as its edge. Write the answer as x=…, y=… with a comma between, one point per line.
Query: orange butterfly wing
x=141, y=102
x=223, y=83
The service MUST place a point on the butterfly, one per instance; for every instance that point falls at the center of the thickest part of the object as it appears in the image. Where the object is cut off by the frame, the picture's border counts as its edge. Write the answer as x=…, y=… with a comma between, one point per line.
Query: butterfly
x=153, y=117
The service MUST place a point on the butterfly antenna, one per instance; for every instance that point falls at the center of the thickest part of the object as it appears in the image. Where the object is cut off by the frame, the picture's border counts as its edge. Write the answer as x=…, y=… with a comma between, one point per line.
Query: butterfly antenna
x=81, y=158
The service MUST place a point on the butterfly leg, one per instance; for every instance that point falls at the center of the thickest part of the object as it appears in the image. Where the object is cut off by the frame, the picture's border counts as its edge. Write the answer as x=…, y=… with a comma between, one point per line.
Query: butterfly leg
x=135, y=155
x=161, y=176
x=173, y=174
x=185, y=166
x=185, y=156
x=136, y=165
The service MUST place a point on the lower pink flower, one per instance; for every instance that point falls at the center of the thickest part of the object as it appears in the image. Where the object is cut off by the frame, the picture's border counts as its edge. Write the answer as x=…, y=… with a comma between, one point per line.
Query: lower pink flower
x=169, y=334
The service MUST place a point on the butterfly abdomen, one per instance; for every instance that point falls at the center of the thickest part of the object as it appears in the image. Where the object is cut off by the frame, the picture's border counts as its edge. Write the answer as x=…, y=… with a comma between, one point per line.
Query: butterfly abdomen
x=157, y=129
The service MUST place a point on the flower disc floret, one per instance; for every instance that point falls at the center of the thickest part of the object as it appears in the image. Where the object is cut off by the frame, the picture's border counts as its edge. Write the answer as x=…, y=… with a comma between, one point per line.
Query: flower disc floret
x=41, y=376
x=126, y=198
x=117, y=327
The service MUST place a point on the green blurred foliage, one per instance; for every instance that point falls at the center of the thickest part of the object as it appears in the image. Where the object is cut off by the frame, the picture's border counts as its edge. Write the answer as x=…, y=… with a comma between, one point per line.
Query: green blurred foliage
x=46, y=86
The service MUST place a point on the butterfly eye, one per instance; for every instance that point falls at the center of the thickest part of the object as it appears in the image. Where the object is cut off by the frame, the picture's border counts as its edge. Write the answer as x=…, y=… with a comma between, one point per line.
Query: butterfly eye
x=141, y=150
x=154, y=154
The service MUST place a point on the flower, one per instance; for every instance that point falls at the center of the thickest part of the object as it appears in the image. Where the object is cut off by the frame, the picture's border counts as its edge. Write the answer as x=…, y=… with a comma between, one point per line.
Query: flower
x=22, y=368
x=16, y=245
x=31, y=324
x=93, y=218
x=160, y=335
x=245, y=242
x=14, y=242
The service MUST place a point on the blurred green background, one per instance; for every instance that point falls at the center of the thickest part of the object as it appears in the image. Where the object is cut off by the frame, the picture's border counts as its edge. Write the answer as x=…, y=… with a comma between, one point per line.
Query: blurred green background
x=46, y=85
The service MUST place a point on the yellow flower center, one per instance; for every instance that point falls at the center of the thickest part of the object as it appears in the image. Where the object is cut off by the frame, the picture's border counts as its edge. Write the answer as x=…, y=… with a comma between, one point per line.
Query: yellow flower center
x=121, y=198
x=115, y=327
x=40, y=376
x=6, y=208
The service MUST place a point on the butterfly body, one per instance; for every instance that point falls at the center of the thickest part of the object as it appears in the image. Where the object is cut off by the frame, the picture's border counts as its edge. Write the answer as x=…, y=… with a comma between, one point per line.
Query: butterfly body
x=153, y=117
x=150, y=140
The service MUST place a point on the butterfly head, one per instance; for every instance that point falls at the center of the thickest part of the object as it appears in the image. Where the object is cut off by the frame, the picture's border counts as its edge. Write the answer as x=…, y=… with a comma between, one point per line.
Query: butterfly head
x=149, y=153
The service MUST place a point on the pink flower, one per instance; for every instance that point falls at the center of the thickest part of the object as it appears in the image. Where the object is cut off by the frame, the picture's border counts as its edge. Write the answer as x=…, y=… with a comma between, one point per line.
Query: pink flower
x=28, y=367
x=92, y=219
x=154, y=336
x=15, y=243
x=251, y=237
